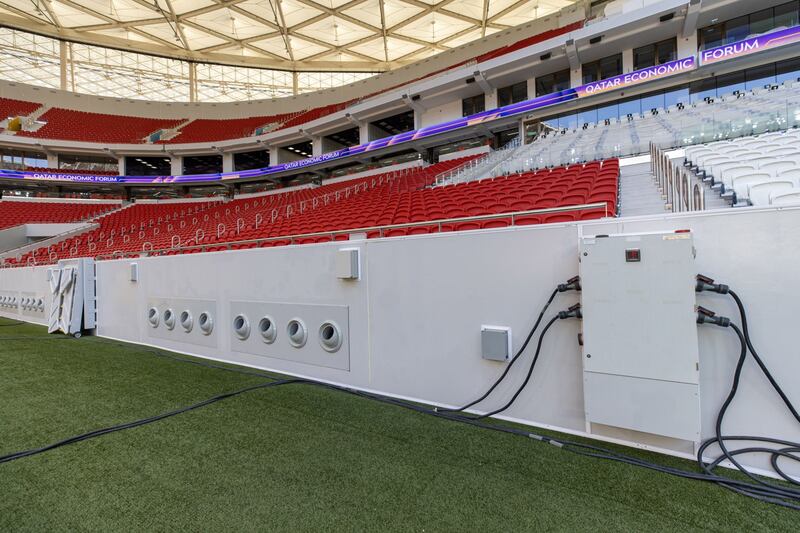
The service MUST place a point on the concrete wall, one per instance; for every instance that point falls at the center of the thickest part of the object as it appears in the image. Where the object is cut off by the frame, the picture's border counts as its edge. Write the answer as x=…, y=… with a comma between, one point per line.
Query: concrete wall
x=13, y=238
x=415, y=314
x=442, y=113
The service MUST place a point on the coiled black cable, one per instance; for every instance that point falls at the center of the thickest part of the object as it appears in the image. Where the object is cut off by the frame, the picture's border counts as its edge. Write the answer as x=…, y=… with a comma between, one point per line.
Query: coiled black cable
x=780, y=448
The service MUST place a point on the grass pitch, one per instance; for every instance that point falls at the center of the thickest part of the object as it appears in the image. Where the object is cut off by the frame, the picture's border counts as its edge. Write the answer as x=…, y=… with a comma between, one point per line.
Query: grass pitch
x=298, y=457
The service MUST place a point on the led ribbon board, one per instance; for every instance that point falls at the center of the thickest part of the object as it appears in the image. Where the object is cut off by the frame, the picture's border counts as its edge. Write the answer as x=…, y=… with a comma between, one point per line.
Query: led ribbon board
x=750, y=46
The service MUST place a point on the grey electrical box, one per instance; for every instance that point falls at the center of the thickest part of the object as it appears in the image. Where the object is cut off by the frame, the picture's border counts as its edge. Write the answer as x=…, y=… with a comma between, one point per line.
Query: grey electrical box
x=348, y=263
x=134, y=272
x=640, y=351
x=496, y=343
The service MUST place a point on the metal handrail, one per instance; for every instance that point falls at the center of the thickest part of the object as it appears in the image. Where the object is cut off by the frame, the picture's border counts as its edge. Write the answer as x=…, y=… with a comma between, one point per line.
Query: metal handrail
x=381, y=229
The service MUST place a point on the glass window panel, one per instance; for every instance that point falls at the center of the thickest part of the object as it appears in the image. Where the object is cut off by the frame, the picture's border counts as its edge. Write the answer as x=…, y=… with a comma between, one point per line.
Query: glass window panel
x=569, y=121
x=644, y=57
x=756, y=78
x=632, y=106
x=728, y=83
x=607, y=112
x=678, y=95
x=737, y=29
x=701, y=89
x=711, y=36
x=788, y=70
x=652, y=101
x=587, y=116
x=762, y=21
x=666, y=51
x=786, y=15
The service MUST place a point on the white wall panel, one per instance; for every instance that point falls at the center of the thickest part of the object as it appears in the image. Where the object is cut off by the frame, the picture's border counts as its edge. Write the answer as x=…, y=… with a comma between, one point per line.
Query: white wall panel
x=28, y=282
x=416, y=313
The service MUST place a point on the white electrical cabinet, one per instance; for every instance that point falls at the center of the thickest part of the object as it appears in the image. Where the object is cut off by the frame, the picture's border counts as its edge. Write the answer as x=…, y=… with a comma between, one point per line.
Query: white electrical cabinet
x=640, y=351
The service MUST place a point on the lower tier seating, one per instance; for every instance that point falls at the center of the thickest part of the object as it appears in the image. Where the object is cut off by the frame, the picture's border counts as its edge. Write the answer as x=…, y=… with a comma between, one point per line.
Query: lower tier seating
x=313, y=214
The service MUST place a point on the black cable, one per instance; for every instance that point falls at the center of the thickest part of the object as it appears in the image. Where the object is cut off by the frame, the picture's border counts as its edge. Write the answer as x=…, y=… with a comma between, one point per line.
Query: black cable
x=766, y=492
x=762, y=490
x=758, y=360
x=137, y=423
x=527, y=376
x=512, y=361
x=13, y=324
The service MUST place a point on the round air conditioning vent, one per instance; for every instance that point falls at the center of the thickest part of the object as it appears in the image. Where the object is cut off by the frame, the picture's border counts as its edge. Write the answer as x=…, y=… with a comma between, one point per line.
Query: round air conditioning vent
x=187, y=322
x=330, y=336
x=241, y=327
x=206, y=323
x=297, y=332
x=152, y=317
x=169, y=319
x=268, y=330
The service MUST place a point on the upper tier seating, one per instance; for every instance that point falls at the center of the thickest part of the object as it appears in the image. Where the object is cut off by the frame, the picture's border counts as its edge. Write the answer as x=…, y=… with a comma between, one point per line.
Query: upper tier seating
x=72, y=125
x=15, y=108
x=313, y=114
x=207, y=130
x=756, y=169
x=403, y=197
x=14, y=213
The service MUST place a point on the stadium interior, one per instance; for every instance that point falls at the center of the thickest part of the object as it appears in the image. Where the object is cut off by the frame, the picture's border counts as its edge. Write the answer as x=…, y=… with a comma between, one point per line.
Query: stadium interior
x=442, y=264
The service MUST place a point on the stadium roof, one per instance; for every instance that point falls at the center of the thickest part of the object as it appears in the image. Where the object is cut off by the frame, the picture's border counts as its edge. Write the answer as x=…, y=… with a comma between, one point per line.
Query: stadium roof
x=350, y=35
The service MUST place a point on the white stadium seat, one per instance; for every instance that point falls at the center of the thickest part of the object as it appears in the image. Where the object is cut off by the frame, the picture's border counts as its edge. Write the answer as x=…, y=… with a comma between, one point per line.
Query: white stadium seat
x=760, y=193
x=741, y=184
x=786, y=198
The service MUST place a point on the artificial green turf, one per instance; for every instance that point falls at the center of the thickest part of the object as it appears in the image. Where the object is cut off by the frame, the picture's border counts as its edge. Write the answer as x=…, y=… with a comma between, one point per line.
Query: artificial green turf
x=299, y=457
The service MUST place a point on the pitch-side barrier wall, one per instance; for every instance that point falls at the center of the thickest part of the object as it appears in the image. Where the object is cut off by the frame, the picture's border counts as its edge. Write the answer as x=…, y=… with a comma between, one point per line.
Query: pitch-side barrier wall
x=411, y=324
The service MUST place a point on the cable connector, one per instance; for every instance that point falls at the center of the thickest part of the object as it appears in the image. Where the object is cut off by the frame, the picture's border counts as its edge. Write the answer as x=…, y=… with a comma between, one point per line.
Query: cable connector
x=707, y=316
x=704, y=283
x=572, y=284
x=572, y=312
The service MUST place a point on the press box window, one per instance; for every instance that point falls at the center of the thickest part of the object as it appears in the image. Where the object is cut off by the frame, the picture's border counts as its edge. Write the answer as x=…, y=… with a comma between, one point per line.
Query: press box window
x=512, y=94
x=655, y=54
x=550, y=83
x=473, y=104
x=602, y=69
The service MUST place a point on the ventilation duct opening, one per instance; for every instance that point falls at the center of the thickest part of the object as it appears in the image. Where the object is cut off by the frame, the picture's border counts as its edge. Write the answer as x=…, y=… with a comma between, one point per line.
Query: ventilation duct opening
x=330, y=336
x=297, y=332
x=169, y=319
x=187, y=321
x=241, y=327
x=152, y=317
x=206, y=323
x=268, y=330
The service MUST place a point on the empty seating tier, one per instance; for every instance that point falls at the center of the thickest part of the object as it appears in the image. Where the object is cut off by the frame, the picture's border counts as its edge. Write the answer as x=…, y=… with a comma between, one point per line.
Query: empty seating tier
x=15, y=108
x=404, y=198
x=72, y=125
x=206, y=130
x=14, y=213
x=760, y=170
